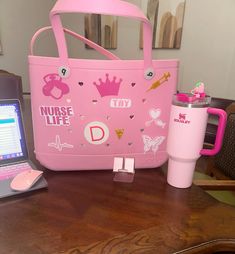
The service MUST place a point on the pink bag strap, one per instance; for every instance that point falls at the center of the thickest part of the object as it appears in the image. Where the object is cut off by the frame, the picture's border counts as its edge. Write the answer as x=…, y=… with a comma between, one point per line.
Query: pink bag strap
x=105, y=7
x=93, y=45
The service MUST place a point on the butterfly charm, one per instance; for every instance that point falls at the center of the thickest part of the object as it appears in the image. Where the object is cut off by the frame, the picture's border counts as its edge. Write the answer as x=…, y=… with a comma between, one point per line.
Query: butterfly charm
x=152, y=143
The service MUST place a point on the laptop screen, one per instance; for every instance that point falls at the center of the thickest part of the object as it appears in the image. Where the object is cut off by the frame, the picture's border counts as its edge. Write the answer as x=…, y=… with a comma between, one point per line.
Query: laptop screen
x=12, y=139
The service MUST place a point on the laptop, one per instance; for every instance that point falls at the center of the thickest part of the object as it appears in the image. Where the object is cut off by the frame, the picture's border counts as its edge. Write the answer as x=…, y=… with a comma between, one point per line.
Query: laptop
x=13, y=148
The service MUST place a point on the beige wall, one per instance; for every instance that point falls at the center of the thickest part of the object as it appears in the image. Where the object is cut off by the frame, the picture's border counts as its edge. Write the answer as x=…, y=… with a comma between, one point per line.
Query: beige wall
x=19, y=19
x=207, y=52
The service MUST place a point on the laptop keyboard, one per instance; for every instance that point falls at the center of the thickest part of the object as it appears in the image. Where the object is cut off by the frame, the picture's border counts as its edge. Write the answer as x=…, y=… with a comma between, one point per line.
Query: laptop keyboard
x=10, y=171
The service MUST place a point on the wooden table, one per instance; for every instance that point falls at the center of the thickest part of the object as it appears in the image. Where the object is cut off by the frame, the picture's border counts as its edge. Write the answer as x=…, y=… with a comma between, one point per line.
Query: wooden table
x=86, y=212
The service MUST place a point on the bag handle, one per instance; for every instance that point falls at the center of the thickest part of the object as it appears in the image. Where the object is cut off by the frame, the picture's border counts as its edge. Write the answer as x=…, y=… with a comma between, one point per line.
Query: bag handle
x=93, y=45
x=105, y=7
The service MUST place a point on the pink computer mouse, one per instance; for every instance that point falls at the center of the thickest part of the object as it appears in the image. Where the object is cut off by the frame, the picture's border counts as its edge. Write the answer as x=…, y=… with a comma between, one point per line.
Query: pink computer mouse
x=25, y=180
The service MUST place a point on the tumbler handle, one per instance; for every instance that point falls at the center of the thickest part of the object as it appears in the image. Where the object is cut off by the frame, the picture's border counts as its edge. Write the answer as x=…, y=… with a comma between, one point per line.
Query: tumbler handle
x=220, y=131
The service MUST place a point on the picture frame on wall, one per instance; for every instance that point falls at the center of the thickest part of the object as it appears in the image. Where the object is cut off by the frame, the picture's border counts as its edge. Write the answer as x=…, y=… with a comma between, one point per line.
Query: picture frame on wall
x=167, y=18
x=102, y=30
x=1, y=49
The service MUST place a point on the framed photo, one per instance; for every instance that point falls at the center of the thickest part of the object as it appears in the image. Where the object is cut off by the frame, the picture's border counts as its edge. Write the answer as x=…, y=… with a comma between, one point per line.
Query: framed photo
x=1, y=50
x=166, y=17
x=101, y=30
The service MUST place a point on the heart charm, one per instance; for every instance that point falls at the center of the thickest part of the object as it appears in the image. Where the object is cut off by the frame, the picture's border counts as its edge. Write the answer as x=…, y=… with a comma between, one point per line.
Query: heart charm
x=80, y=83
x=143, y=100
x=133, y=84
x=131, y=116
x=154, y=113
x=82, y=117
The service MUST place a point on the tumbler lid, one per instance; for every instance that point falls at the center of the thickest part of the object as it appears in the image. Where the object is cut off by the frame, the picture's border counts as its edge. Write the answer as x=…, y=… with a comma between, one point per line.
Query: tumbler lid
x=196, y=99
x=191, y=101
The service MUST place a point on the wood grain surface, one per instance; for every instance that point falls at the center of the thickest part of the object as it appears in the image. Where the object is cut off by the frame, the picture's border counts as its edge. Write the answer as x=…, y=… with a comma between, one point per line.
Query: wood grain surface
x=102, y=30
x=167, y=22
x=152, y=15
x=93, y=28
x=86, y=212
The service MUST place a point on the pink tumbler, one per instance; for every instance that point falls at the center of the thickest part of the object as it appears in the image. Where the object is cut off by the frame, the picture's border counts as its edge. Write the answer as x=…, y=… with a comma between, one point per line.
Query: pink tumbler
x=187, y=128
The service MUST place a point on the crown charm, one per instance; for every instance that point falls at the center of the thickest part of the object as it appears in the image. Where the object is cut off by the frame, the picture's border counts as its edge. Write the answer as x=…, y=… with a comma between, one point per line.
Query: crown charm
x=108, y=87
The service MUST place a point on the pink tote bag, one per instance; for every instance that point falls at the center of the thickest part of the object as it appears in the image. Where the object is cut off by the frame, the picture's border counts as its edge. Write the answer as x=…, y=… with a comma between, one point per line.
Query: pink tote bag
x=88, y=112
